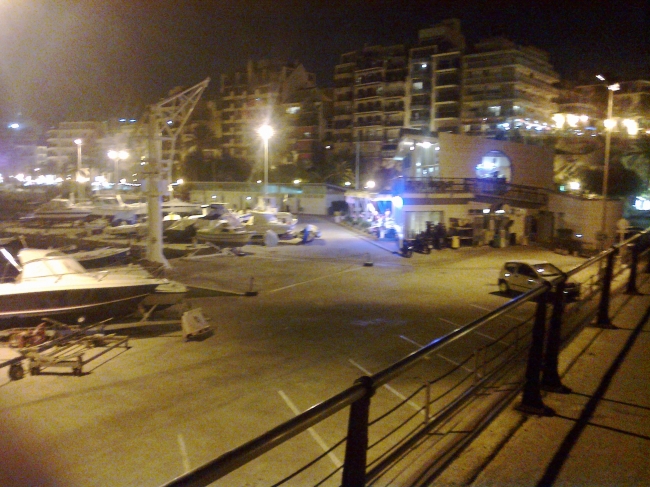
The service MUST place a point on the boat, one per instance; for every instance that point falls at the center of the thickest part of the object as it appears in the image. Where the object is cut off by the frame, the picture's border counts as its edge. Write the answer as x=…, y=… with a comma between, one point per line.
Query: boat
x=101, y=257
x=57, y=210
x=260, y=222
x=184, y=229
x=52, y=284
x=181, y=208
x=114, y=208
x=126, y=230
x=12, y=244
x=226, y=232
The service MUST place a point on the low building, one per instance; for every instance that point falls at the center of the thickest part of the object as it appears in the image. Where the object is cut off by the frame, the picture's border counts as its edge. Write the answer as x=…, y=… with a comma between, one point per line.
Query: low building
x=313, y=199
x=484, y=191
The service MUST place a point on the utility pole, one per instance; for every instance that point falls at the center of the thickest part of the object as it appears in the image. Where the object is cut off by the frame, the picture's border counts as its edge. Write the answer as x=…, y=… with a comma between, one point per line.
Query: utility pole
x=356, y=172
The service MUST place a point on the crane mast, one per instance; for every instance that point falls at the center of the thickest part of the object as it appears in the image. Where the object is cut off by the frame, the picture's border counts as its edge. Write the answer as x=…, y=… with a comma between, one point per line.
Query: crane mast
x=165, y=121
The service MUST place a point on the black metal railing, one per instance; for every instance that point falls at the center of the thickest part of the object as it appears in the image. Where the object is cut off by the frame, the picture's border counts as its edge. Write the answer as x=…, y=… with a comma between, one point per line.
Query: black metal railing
x=489, y=187
x=479, y=368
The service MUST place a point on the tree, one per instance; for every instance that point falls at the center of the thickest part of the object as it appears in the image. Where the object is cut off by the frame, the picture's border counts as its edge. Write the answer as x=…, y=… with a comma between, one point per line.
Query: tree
x=620, y=183
x=193, y=165
x=332, y=168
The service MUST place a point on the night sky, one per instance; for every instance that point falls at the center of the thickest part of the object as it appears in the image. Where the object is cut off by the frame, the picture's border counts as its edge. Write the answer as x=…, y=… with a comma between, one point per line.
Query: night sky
x=94, y=59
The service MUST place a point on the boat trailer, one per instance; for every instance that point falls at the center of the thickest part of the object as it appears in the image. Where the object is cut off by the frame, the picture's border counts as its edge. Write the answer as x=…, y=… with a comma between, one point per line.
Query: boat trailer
x=70, y=350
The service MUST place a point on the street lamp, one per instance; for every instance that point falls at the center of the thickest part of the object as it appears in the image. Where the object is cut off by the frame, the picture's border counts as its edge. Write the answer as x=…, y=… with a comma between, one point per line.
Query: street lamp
x=266, y=132
x=79, y=142
x=116, y=156
x=610, y=123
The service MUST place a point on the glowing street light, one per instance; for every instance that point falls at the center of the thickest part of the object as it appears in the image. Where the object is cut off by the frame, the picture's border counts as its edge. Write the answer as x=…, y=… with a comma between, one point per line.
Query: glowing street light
x=610, y=123
x=79, y=143
x=266, y=132
x=117, y=156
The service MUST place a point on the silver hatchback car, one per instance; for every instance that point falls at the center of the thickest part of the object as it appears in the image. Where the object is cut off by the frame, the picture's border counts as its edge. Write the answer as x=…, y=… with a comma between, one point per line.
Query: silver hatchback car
x=523, y=276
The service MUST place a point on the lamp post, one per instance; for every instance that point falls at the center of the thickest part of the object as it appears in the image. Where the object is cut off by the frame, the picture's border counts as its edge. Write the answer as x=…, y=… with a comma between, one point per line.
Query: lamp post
x=117, y=156
x=79, y=142
x=266, y=132
x=609, y=126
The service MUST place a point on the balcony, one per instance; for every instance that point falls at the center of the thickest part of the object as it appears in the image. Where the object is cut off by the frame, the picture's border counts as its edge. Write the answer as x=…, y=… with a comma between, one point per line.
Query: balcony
x=488, y=190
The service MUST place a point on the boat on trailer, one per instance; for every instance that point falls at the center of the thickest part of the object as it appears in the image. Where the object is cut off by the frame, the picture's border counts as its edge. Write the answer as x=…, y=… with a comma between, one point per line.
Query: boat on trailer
x=51, y=284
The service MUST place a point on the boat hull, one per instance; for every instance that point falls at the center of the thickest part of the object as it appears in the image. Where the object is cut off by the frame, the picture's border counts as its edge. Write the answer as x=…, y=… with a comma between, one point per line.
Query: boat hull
x=73, y=305
x=224, y=240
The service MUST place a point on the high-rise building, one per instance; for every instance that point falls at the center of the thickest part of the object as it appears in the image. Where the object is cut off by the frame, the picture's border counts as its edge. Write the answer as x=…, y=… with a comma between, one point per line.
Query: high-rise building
x=433, y=97
x=507, y=86
x=254, y=96
x=369, y=105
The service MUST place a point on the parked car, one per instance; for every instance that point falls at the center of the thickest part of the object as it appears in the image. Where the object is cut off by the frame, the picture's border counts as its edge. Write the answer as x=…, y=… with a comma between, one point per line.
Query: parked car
x=523, y=276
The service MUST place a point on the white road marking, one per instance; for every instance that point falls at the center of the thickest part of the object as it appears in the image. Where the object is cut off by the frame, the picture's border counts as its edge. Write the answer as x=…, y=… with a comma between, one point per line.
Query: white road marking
x=184, y=456
x=479, y=333
x=437, y=354
x=337, y=463
x=352, y=269
x=398, y=394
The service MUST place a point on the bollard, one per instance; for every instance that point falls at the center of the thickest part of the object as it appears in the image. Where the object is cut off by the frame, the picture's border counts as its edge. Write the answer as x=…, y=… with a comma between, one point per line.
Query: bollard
x=368, y=262
x=250, y=291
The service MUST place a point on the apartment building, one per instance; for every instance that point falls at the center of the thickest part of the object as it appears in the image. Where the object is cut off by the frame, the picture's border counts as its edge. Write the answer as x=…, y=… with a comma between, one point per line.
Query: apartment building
x=63, y=154
x=306, y=112
x=253, y=96
x=368, y=112
x=433, y=97
x=507, y=86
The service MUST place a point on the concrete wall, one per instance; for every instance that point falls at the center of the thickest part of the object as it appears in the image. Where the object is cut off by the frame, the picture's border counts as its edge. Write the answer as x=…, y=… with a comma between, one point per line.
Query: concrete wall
x=585, y=216
x=315, y=199
x=531, y=165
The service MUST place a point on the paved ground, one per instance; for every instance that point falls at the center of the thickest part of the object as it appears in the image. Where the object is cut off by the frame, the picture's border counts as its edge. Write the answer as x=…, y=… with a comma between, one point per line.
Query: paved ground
x=600, y=435
x=145, y=415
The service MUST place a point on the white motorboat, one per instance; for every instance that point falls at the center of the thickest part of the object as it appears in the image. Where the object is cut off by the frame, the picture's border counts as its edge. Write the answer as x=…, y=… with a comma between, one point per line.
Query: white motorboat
x=226, y=232
x=184, y=229
x=114, y=208
x=181, y=208
x=262, y=221
x=100, y=257
x=57, y=210
x=53, y=284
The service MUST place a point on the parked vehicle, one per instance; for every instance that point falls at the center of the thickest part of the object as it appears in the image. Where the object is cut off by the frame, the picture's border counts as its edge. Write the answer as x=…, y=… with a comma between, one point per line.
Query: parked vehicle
x=522, y=276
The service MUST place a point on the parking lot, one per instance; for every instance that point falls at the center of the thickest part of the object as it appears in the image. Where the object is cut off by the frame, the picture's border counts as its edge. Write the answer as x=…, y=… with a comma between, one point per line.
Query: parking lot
x=323, y=315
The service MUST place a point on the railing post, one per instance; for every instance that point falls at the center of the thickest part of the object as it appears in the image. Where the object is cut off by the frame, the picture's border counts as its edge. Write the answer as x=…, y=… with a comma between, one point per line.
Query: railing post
x=427, y=402
x=550, y=375
x=531, y=401
x=354, y=467
x=631, y=283
x=602, y=320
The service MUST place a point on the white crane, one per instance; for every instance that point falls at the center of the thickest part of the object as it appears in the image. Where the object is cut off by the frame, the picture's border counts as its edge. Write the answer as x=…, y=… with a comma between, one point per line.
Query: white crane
x=165, y=121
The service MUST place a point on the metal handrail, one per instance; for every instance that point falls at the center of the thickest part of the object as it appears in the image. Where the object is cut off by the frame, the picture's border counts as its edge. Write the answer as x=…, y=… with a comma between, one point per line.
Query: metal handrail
x=365, y=386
